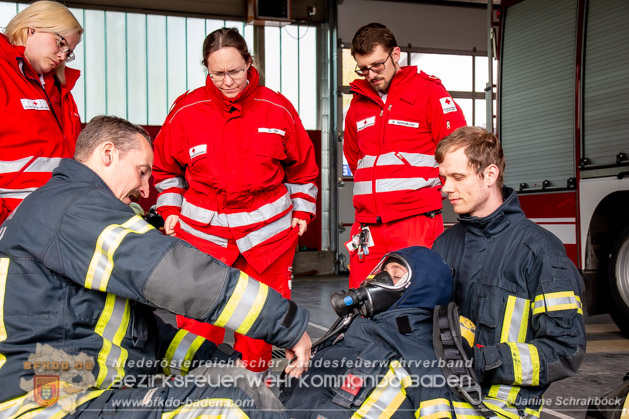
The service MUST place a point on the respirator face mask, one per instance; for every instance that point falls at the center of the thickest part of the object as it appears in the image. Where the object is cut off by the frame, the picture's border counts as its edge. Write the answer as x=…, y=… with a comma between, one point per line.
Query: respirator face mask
x=378, y=292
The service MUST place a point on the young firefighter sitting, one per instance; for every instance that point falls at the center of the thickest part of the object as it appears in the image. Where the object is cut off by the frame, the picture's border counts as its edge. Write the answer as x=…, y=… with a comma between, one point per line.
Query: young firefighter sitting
x=383, y=364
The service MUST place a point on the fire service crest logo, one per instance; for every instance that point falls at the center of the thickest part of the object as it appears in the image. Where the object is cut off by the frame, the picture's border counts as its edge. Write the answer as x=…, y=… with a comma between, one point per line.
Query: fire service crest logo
x=46, y=389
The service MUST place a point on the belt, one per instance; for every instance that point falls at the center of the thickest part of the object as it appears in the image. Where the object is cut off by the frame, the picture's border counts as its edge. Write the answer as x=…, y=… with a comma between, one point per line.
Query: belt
x=429, y=214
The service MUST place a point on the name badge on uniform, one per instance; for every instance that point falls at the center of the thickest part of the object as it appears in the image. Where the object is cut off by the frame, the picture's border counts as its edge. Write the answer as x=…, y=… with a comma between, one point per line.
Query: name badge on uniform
x=447, y=104
x=367, y=122
x=404, y=123
x=197, y=150
x=35, y=104
x=272, y=131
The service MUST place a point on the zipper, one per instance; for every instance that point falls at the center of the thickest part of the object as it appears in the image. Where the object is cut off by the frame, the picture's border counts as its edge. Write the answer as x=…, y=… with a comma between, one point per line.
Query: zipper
x=47, y=98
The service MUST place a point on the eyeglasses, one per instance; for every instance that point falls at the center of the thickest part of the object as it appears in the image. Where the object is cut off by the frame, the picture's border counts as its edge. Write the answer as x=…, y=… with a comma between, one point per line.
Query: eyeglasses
x=376, y=68
x=63, y=47
x=234, y=74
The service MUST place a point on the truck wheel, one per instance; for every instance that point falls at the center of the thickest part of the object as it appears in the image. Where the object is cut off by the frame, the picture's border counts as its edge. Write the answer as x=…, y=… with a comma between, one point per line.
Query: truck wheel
x=619, y=281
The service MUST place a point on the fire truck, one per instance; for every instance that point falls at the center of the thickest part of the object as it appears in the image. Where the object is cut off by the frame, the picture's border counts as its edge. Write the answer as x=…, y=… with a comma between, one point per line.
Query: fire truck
x=563, y=119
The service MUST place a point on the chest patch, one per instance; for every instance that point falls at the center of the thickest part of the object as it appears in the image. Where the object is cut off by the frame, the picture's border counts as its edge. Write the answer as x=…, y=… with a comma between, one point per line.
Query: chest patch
x=447, y=104
x=197, y=150
x=272, y=131
x=35, y=104
x=401, y=123
x=367, y=122
x=352, y=384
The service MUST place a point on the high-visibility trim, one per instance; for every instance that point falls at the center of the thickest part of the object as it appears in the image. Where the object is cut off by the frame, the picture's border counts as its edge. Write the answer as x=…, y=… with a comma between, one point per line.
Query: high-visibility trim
x=504, y=392
x=56, y=411
x=174, y=182
x=237, y=219
x=278, y=105
x=388, y=395
x=15, y=193
x=4, y=271
x=530, y=413
x=396, y=158
x=395, y=184
x=516, y=320
x=181, y=351
x=555, y=301
x=262, y=234
x=17, y=407
x=309, y=189
x=208, y=408
x=525, y=364
x=502, y=408
x=434, y=409
x=219, y=241
x=300, y=204
x=170, y=199
x=40, y=164
x=102, y=263
x=466, y=411
x=244, y=305
x=111, y=326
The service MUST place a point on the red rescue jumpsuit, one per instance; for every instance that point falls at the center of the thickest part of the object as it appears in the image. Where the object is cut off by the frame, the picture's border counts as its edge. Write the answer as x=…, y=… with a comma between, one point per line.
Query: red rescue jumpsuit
x=237, y=171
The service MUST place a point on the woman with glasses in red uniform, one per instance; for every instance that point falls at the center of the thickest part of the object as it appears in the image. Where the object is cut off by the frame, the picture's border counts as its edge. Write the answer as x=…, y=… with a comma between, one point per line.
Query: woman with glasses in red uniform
x=40, y=120
x=235, y=171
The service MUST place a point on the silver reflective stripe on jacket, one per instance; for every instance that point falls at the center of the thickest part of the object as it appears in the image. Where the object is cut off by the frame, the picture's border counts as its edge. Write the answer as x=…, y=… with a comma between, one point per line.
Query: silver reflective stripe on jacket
x=174, y=182
x=309, y=189
x=397, y=158
x=40, y=164
x=169, y=200
x=16, y=193
x=303, y=205
x=393, y=184
x=112, y=326
x=219, y=241
x=258, y=236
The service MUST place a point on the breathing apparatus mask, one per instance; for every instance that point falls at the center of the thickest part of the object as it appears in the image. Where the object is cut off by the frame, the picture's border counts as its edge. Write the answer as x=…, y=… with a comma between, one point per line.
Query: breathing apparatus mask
x=378, y=292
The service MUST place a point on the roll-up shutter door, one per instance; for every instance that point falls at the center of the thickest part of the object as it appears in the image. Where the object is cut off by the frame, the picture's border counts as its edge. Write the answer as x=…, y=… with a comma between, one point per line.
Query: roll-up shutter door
x=537, y=92
x=606, y=82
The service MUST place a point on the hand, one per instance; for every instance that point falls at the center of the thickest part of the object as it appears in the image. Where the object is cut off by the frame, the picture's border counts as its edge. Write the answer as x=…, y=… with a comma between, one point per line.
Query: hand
x=303, y=225
x=302, y=351
x=170, y=223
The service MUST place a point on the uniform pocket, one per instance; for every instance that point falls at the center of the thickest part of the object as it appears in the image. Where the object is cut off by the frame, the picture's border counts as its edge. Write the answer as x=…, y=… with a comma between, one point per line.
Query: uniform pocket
x=269, y=142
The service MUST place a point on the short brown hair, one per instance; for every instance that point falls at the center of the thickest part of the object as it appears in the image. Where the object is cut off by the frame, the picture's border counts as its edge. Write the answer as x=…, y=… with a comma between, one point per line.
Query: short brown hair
x=482, y=149
x=369, y=36
x=224, y=38
x=108, y=128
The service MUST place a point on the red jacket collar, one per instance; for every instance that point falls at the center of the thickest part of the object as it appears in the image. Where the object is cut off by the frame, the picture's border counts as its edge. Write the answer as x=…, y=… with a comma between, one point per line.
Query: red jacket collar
x=228, y=103
x=400, y=79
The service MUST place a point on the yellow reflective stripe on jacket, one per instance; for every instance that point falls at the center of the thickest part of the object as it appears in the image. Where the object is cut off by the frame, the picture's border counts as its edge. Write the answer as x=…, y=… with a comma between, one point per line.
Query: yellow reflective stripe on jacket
x=530, y=413
x=466, y=411
x=4, y=269
x=208, y=408
x=17, y=407
x=112, y=326
x=56, y=411
x=516, y=320
x=502, y=408
x=102, y=263
x=181, y=351
x=388, y=395
x=504, y=392
x=555, y=301
x=525, y=364
x=434, y=409
x=244, y=305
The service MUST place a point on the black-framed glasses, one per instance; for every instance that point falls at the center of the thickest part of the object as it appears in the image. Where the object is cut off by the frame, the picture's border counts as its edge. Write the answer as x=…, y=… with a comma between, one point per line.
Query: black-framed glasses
x=376, y=68
x=64, y=48
x=234, y=74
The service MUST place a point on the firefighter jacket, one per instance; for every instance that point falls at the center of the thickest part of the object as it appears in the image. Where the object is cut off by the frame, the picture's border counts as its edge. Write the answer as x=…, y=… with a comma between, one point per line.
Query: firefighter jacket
x=390, y=147
x=381, y=367
x=39, y=125
x=384, y=366
x=236, y=169
x=514, y=281
x=81, y=276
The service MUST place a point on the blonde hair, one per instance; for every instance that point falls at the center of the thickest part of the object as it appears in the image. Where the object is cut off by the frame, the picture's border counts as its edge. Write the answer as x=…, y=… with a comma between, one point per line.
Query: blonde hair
x=47, y=16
